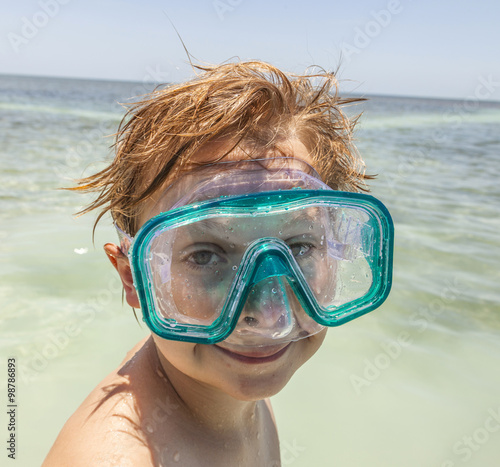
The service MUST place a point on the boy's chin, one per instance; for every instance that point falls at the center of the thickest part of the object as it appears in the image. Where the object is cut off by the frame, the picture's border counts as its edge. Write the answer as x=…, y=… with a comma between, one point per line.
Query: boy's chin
x=247, y=389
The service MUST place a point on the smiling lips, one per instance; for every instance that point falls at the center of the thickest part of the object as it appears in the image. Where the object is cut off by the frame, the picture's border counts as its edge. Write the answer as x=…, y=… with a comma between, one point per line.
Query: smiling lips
x=257, y=355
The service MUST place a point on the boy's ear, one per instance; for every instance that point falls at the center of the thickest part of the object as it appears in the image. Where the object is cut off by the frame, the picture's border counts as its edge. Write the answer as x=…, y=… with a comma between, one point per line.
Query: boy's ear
x=122, y=265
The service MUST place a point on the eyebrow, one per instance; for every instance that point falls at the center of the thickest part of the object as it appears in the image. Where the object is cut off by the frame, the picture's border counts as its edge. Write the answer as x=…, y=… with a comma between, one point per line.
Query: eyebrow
x=211, y=225
x=303, y=216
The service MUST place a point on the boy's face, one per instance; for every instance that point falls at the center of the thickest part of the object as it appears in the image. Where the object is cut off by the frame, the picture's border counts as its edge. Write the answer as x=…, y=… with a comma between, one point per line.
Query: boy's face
x=243, y=372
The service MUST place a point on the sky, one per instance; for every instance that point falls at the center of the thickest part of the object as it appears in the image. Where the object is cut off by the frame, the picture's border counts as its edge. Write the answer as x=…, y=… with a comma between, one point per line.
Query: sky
x=439, y=48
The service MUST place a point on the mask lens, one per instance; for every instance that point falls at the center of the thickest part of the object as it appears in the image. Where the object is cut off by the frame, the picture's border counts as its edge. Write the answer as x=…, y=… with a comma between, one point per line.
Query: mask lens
x=192, y=268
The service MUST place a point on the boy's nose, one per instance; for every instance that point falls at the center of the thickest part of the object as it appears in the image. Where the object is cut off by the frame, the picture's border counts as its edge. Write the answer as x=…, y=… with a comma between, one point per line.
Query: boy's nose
x=267, y=311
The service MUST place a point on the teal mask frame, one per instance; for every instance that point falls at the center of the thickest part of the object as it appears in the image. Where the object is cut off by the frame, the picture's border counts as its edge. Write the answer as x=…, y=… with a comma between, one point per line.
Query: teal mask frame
x=266, y=257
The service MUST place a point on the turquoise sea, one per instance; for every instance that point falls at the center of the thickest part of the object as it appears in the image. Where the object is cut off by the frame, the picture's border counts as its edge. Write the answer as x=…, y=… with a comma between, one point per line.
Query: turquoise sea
x=414, y=384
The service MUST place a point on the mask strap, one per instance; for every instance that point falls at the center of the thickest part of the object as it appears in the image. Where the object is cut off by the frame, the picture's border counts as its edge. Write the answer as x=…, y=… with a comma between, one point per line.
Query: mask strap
x=125, y=240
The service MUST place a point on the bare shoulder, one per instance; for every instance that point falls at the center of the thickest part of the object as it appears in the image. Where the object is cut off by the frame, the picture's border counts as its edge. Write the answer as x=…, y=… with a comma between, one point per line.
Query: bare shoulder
x=106, y=429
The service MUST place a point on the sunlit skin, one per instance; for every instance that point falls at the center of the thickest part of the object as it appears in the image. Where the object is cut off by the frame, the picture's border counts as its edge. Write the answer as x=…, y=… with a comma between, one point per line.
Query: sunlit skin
x=185, y=404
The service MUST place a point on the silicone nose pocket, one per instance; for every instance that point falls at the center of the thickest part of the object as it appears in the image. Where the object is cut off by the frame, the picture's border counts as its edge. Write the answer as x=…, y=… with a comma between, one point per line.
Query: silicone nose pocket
x=269, y=304
x=267, y=310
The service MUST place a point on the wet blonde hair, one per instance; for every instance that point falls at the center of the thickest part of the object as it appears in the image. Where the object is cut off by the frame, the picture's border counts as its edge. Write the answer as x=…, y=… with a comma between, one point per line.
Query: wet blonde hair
x=251, y=104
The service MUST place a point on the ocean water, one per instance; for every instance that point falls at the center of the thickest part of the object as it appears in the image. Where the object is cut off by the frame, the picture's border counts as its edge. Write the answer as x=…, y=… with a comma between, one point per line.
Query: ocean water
x=415, y=383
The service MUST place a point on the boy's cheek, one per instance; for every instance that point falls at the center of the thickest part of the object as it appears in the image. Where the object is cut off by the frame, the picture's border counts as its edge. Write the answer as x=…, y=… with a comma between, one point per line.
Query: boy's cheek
x=306, y=348
x=316, y=341
x=173, y=350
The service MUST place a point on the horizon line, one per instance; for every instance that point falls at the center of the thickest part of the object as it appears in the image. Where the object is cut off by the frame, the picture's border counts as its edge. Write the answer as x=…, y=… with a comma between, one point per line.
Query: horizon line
x=115, y=80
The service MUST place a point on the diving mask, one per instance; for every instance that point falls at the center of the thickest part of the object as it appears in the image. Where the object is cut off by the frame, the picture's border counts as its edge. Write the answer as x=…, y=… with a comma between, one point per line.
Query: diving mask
x=258, y=252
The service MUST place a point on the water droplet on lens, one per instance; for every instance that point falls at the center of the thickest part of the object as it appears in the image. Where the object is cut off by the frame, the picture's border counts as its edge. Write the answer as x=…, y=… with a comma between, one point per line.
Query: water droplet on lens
x=150, y=429
x=310, y=227
x=273, y=290
x=234, y=268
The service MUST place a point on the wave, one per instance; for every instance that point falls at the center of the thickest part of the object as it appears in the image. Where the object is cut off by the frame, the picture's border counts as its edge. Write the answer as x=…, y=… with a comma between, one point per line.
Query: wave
x=81, y=113
x=448, y=119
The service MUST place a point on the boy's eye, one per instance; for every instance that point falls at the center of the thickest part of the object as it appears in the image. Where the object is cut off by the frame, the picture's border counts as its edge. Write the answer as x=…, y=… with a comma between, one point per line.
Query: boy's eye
x=203, y=258
x=301, y=249
x=203, y=255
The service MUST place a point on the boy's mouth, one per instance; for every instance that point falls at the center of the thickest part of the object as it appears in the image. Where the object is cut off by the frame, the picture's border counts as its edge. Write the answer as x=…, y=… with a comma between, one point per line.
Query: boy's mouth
x=255, y=355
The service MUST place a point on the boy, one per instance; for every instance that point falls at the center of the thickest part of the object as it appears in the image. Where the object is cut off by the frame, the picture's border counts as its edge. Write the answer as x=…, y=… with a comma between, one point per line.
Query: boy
x=237, y=271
